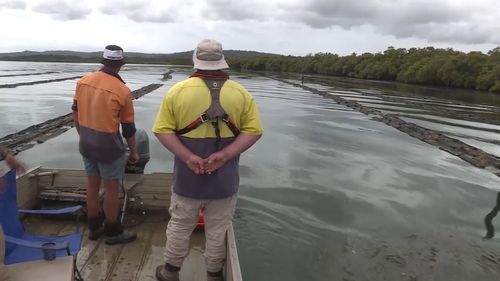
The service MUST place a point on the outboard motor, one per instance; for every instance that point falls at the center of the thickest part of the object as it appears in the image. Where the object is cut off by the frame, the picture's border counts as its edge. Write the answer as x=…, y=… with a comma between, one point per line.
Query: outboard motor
x=142, y=144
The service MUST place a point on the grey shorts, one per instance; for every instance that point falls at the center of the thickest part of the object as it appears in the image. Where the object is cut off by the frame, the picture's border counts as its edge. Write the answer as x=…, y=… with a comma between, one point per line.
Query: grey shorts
x=108, y=171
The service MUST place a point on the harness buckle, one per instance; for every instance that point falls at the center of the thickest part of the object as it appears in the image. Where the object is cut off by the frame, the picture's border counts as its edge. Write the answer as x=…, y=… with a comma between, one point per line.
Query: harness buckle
x=204, y=117
x=225, y=118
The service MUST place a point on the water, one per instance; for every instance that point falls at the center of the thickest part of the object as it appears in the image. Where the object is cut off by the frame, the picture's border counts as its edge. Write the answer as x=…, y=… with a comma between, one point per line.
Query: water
x=327, y=193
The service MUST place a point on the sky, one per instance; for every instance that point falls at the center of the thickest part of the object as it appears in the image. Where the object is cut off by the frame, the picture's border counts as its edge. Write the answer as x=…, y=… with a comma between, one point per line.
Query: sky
x=288, y=27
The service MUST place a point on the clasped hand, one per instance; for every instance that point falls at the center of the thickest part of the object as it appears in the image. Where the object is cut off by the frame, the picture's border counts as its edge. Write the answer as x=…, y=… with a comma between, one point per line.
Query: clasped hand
x=206, y=166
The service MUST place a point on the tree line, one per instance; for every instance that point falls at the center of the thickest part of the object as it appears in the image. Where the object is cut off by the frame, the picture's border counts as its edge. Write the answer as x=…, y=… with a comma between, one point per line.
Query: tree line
x=165, y=59
x=429, y=66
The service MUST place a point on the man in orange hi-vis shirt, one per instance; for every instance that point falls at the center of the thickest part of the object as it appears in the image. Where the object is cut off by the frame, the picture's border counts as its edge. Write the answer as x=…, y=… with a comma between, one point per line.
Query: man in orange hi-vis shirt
x=102, y=102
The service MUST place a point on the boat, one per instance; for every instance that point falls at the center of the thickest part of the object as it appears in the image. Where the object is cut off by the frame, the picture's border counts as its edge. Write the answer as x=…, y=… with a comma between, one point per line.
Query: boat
x=145, y=199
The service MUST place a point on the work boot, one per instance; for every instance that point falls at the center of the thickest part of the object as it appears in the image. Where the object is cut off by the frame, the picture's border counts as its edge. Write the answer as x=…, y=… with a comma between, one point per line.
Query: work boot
x=125, y=237
x=162, y=274
x=117, y=235
x=96, y=234
x=96, y=228
x=215, y=276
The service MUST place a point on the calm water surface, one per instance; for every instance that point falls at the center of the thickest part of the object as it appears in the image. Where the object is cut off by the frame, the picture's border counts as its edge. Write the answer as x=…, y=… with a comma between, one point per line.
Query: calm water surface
x=324, y=181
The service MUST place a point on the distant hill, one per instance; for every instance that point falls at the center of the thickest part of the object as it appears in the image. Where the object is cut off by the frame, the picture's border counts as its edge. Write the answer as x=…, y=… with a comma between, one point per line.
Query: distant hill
x=131, y=57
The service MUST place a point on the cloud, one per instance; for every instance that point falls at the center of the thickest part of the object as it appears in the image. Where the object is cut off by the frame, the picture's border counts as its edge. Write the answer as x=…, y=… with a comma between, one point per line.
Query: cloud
x=442, y=22
x=452, y=33
x=136, y=10
x=435, y=21
x=236, y=10
x=403, y=12
x=13, y=4
x=462, y=22
x=63, y=9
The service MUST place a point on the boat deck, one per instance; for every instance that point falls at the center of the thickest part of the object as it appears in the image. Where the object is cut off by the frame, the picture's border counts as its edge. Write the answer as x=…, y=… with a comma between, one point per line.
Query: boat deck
x=133, y=261
x=149, y=194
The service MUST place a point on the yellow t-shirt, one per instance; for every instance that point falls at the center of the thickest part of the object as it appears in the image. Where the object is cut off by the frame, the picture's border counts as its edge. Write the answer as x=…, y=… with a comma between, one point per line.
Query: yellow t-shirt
x=188, y=99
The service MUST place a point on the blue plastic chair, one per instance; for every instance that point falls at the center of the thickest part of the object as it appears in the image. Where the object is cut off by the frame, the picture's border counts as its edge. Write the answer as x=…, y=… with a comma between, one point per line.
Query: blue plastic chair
x=22, y=246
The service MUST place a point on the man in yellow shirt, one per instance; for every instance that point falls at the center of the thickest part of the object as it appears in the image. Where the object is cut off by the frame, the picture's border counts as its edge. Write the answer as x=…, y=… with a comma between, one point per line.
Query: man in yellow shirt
x=206, y=121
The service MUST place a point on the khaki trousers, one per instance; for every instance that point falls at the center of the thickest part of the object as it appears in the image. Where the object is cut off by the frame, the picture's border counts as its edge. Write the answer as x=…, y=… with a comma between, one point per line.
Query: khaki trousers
x=184, y=217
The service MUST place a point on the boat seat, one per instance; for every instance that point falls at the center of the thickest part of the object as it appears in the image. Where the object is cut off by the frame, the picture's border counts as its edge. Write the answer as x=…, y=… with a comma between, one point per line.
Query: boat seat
x=77, y=193
x=60, y=269
x=66, y=193
x=22, y=247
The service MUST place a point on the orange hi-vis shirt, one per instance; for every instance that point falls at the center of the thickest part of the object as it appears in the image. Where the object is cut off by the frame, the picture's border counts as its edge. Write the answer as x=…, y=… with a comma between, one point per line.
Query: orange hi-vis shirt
x=103, y=103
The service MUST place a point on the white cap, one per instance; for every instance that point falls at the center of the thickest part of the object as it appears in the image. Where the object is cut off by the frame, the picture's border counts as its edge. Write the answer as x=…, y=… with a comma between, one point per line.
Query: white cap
x=112, y=54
